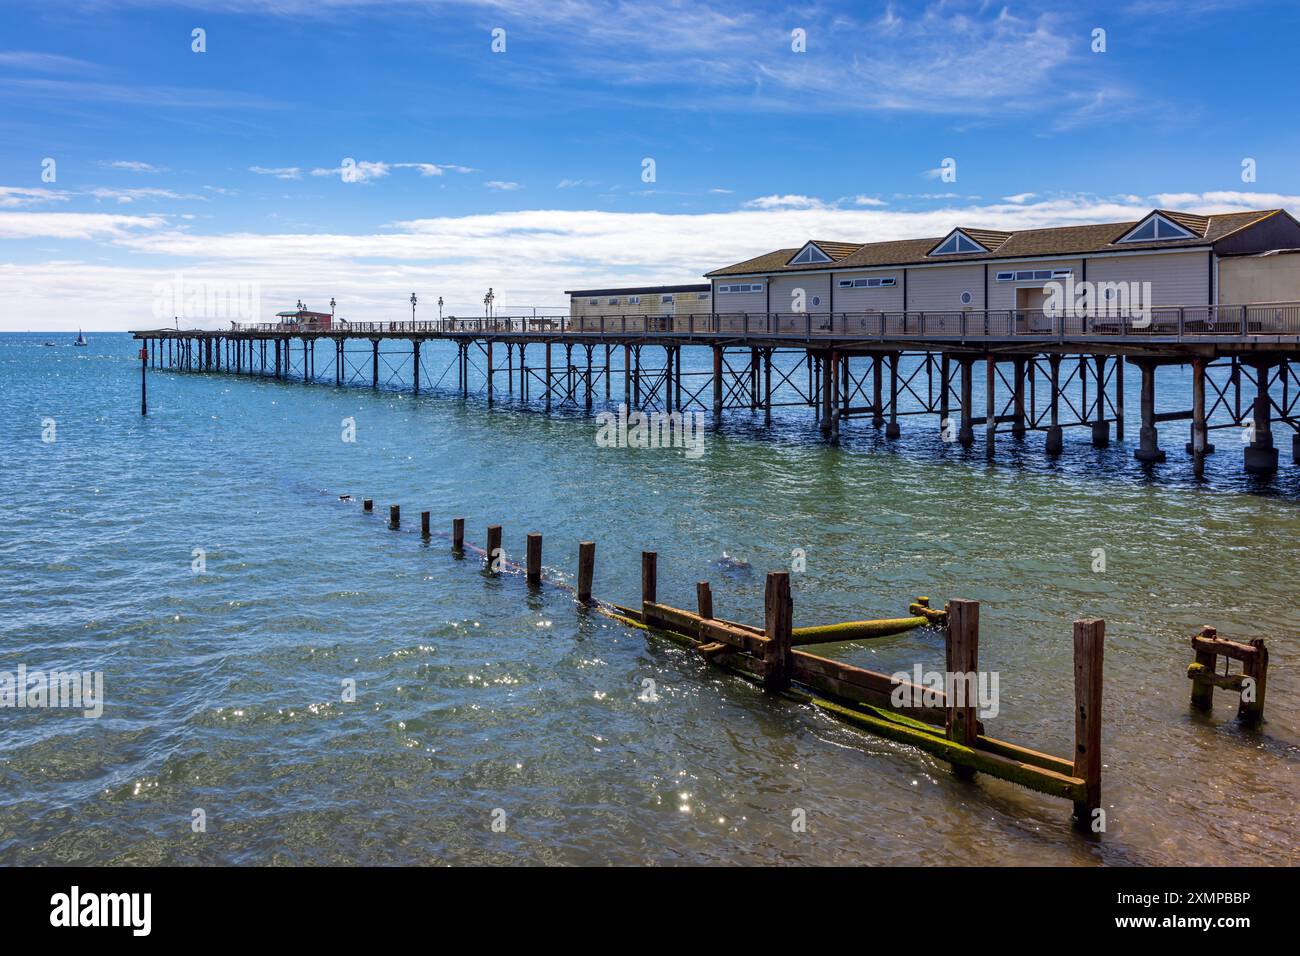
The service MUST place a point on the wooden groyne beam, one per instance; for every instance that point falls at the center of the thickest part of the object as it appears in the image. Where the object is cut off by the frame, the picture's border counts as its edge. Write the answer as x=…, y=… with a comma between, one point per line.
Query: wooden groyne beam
x=942, y=722
x=1033, y=381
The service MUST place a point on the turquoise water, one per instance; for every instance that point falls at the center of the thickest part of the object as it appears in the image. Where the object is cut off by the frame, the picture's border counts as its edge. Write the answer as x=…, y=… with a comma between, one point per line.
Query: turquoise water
x=224, y=688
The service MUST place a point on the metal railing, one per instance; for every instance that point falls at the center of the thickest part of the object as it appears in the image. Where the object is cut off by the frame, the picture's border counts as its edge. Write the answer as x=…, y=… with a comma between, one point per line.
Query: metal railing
x=1171, y=322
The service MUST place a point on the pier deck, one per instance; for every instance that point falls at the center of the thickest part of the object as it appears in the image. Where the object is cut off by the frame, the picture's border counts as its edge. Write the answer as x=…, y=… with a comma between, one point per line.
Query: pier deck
x=1041, y=372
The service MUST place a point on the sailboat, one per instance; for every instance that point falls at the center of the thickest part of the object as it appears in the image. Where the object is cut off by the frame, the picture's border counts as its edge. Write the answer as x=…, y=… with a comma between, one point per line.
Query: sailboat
x=81, y=339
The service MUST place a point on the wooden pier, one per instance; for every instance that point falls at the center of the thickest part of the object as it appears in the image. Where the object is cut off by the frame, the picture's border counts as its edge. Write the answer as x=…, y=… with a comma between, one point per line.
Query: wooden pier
x=1040, y=373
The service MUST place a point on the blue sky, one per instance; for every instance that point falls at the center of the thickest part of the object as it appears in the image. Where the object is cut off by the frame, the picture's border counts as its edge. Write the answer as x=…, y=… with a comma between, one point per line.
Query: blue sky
x=523, y=169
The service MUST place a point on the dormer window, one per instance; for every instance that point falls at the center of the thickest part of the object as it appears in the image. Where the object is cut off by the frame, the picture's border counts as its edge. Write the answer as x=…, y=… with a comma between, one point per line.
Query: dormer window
x=1156, y=228
x=956, y=244
x=809, y=254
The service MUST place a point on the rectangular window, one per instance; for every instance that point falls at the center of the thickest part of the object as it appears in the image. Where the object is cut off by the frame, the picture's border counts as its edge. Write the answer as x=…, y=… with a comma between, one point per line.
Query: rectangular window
x=634, y=300
x=614, y=301
x=594, y=301
x=872, y=283
x=739, y=287
x=1034, y=275
x=702, y=295
x=667, y=299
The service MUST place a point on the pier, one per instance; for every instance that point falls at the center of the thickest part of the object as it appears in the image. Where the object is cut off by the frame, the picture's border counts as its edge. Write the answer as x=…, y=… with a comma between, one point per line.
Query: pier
x=1040, y=372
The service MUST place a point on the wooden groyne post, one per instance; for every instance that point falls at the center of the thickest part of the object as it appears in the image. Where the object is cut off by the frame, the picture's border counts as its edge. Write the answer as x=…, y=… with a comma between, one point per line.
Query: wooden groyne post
x=534, y=558
x=1089, y=639
x=586, y=566
x=1251, y=683
x=493, y=547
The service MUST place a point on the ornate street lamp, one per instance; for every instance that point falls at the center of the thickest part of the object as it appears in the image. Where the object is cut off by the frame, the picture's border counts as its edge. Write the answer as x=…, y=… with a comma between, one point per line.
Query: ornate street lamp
x=412, y=308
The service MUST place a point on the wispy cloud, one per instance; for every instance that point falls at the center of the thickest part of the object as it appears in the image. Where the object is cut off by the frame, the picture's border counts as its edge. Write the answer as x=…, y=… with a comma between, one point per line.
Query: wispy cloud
x=16, y=197
x=280, y=172
x=500, y=185
x=134, y=166
x=133, y=195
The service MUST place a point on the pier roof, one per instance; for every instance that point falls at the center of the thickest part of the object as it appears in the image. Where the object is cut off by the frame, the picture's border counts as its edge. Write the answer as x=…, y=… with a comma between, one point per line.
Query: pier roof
x=1023, y=243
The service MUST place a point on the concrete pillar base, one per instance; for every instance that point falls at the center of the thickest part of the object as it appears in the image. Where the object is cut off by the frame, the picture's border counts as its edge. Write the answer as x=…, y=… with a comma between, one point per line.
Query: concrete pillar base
x=1100, y=434
x=1261, y=459
x=990, y=442
x=965, y=436
x=1148, y=449
x=1295, y=449
x=1209, y=448
x=1017, y=431
x=1055, y=439
x=877, y=421
x=892, y=430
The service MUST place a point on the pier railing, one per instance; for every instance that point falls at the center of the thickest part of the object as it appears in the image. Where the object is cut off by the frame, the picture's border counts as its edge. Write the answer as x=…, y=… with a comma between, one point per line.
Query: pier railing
x=1168, y=322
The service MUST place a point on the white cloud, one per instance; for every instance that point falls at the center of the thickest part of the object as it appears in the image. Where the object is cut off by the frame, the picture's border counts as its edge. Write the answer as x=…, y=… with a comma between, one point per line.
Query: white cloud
x=356, y=171
x=1020, y=197
x=135, y=166
x=869, y=201
x=132, y=195
x=15, y=197
x=371, y=273
x=498, y=184
x=280, y=172
x=788, y=201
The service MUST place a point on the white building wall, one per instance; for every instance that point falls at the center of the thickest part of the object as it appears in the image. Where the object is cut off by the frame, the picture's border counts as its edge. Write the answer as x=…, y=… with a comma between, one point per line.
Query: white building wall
x=1176, y=278
x=939, y=289
x=1002, y=295
x=881, y=299
x=729, y=302
x=815, y=286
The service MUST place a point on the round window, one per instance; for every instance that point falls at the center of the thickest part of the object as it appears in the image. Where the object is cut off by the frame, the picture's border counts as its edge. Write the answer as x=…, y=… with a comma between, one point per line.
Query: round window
x=817, y=300
x=966, y=298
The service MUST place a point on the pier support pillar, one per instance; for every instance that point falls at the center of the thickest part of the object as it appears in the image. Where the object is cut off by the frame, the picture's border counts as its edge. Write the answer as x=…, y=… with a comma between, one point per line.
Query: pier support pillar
x=1148, y=444
x=490, y=395
x=548, y=376
x=1261, y=456
x=990, y=406
x=877, y=390
x=892, y=430
x=717, y=385
x=1100, y=427
x=415, y=364
x=1295, y=449
x=374, y=363
x=1018, y=408
x=1119, y=398
x=587, y=383
x=966, y=434
x=144, y=365
x=1199, y=446
x=945, y=382
x=767, y=386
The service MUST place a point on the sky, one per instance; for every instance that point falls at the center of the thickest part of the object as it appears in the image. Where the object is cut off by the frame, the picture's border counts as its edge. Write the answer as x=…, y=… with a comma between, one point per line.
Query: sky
x=303, y=150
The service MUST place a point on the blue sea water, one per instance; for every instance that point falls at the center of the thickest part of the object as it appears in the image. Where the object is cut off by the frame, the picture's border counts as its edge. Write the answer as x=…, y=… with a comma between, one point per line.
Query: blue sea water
x=480, y=701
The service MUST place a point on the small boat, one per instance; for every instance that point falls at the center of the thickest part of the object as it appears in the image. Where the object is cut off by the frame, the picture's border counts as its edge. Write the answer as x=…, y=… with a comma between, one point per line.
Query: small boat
x=48, y=345
x=81, y=339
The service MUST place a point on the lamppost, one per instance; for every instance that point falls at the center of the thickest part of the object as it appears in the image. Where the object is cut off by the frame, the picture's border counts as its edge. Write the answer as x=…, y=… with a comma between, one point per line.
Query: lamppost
x=487, y=303
x=412, y=308
x=331, y=307
x=439, y=308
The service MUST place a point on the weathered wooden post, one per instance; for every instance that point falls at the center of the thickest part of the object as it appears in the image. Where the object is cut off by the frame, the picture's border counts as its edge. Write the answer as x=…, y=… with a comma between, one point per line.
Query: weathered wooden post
x=534, y=559
x=394, y=516
x=368, y=505
x=458, y=535
x=704, y=598
x=1256, y=669
x=424, y=524
x=493, y=546
x=1089, y=636
x=778, y=626
x=961, y=661
x=586, y=565
x=1202, y=691
x=649, y=577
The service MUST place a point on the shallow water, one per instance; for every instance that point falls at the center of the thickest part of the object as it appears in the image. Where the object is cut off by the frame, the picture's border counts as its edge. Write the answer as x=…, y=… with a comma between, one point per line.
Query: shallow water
x=223, y=688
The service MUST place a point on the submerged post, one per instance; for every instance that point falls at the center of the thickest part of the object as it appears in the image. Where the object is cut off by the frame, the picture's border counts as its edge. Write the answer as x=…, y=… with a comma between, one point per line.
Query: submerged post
x=458, y=535
x=704, y=599
x=961, y=652
x=649, y=577
x=493, y=547
x=368, y=505
x=1089, y=636
x=395, y=516
x=534, y=559
x=144, y=365
x=586, y=565
x=1255, y=667
x=778, y=627
x=424, y=524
